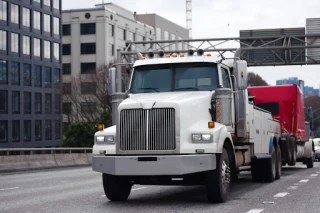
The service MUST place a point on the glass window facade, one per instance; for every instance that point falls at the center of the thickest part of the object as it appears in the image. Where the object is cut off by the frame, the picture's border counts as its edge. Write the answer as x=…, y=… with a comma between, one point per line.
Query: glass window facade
x=16, y=102
x=15, y=131
x=15, y=13
x=56, y=26
x=26, y=45
x=26, y=17
x=37, y=47
x=89, y=28
x=3, y=101
x=46, y=23
x=26, y=74
x=27, y=130
x=15, y=43
x=38, y=103
x=37, y=130
x=37, y=20
x=3, y=10
x=3, y=72
x=37, y=76
x=3, y=131
x=15, y=70
x=56, y=51
x=3, y=40
x=30, y=72
x=27, y=102
x=47, y=49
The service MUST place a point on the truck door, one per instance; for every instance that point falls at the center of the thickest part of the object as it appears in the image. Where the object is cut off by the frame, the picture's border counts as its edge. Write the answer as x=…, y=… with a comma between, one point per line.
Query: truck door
x=226, y=83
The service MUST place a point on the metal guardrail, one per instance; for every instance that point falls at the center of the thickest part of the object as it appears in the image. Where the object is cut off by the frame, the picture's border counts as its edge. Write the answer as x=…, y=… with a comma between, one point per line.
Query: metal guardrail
x=32, y=151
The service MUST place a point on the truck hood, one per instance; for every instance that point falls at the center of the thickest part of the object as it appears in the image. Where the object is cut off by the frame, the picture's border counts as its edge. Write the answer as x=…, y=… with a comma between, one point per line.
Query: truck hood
x=148, y=100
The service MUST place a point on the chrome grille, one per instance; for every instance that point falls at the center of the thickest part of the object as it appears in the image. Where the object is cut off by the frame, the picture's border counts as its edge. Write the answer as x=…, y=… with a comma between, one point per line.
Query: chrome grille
x=147, y=129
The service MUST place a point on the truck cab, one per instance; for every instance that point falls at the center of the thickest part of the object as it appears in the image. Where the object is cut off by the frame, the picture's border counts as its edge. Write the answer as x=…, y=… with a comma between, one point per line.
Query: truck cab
x=186, y=120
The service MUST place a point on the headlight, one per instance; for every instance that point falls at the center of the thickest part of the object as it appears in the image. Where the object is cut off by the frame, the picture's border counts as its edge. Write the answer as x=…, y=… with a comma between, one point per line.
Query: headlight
x=100, y=138
x=105, y=139
x=202, y=137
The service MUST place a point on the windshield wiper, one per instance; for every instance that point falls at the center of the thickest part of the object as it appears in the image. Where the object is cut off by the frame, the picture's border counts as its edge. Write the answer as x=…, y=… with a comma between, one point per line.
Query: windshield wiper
x=149, y=88
x=182, y=88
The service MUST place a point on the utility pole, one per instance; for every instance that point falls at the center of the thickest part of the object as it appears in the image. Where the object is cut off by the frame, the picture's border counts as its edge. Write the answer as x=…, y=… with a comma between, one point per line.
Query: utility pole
x=189, y=17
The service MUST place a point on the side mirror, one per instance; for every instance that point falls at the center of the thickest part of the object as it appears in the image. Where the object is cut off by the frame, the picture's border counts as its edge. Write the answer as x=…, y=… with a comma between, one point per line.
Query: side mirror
x=241, y=74
x=112, y=78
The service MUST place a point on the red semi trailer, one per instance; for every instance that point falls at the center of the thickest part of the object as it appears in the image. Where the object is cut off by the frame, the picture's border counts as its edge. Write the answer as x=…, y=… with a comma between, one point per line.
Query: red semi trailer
x=286, y=104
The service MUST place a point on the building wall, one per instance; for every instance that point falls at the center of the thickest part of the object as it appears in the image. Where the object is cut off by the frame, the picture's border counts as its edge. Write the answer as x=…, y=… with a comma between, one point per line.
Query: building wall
x=18, y=74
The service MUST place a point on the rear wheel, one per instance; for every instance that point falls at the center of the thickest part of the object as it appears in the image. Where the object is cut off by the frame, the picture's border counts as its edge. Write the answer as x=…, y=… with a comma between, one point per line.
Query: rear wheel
x=271, y=164
x=292, y=151
x=218, y=180
x=116, y=188
x=279, y=163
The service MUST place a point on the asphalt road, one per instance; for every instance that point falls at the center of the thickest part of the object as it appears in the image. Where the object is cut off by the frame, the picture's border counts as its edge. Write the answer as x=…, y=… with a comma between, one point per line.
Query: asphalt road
x=80, y=190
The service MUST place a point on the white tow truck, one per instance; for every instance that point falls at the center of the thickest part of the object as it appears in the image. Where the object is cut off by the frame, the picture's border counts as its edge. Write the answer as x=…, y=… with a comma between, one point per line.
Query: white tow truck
x=187, y=120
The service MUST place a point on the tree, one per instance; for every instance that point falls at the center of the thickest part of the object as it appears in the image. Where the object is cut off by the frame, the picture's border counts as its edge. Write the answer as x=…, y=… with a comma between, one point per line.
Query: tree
x=87, y=96
x=256, y=80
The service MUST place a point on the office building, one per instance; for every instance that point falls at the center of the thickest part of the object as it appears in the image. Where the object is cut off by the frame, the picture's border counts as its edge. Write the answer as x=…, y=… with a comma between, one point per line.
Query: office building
x=91, y=38
x=30, y=73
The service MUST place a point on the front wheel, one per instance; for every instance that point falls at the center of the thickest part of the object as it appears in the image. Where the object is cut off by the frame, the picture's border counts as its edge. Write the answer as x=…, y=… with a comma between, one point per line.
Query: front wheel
x=218, y=180
x=279, y=163
x=116, y=188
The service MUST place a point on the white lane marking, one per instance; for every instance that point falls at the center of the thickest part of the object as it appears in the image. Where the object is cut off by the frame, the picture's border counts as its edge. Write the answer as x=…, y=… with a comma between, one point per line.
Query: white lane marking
x=304, y=181
x=255, y=211
x=268, y=202
x=138, y=188
x=293, y=187
x=282, y=194
x=9, y=188
x=103, y=195
x=318, y=172
x=314, y=175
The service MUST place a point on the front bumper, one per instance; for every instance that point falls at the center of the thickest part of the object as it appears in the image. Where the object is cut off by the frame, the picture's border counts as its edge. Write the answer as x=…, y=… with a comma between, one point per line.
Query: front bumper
x=153, y=165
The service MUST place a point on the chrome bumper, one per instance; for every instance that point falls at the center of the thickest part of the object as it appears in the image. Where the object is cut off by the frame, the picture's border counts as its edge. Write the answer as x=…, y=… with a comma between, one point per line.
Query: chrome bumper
x=153, y=165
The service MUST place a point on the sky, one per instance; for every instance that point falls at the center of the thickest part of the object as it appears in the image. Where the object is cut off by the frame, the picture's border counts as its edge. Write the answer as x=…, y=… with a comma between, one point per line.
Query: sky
x=225, y=18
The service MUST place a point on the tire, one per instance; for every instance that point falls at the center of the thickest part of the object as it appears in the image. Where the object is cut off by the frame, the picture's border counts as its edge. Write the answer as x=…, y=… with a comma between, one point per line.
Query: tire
x=116, y=188
x=309, y=162
x=218, y=181
x=292, y=151
x=279, y=163
x=270, y=169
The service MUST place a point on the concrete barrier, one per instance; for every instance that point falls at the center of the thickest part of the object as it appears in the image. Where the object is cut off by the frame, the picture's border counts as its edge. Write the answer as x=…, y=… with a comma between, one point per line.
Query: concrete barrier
x=43, y=161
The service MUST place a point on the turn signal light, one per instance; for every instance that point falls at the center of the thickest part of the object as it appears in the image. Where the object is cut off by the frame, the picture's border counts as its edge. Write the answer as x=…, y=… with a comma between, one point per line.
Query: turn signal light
x=181, y=55
x=218, y=102
x=210, y=124
x=100, y=127
x=174, y=55
x=208, y=54
x=167, y=56
x=142, y=58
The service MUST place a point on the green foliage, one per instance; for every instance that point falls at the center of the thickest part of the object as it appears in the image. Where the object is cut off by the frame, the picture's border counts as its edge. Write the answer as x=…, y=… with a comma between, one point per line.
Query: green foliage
x=81, y=134
x=256, y=80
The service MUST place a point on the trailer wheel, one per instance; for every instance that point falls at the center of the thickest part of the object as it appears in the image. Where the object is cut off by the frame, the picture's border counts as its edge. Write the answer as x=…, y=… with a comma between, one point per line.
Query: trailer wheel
x=116, y=188
x=271, y=164
x=217, y=181
x=292, y=151
x=279, y=163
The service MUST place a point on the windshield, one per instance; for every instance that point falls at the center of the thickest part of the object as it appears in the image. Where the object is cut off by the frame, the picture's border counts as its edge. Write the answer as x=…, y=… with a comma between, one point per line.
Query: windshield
x=175, y=77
